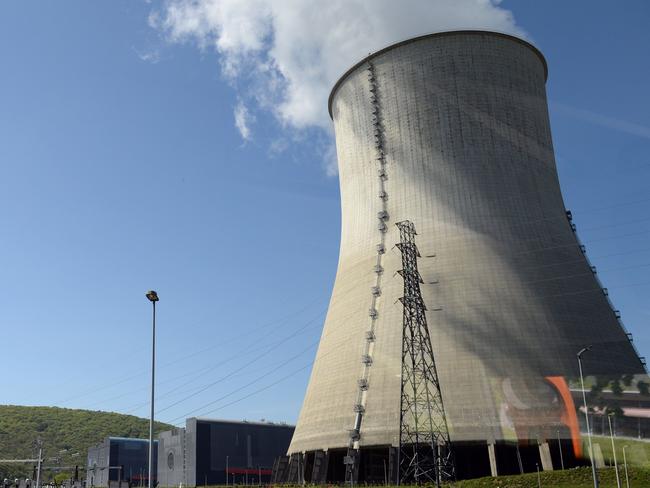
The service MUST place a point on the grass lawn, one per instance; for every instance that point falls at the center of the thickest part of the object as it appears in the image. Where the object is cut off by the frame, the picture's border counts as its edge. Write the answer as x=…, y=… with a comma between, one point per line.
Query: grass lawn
x=570, y=478
x=637, y=452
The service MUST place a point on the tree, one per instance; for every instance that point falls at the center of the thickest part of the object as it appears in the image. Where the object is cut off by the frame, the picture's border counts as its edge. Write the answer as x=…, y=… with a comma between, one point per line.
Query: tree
x=61, y=477
x=616, y=411
x=616, y=387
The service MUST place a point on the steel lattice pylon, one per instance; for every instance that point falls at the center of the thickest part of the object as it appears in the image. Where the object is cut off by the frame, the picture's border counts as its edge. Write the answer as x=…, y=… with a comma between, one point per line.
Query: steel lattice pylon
x=425, y=454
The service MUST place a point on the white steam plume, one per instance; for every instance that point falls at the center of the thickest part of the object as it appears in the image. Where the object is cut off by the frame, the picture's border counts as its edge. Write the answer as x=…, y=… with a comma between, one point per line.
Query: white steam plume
x=283, y=56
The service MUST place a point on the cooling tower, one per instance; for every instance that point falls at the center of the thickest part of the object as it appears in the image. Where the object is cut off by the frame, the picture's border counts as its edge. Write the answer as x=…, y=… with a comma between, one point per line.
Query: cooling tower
x=451, y=132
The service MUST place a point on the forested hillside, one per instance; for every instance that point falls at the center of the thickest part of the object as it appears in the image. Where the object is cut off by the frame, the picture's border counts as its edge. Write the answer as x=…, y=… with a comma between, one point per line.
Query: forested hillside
x=66, y=434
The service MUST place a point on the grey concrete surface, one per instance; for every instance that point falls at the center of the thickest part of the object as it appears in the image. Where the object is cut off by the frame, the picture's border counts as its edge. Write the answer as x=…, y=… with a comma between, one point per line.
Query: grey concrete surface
x=510, y=296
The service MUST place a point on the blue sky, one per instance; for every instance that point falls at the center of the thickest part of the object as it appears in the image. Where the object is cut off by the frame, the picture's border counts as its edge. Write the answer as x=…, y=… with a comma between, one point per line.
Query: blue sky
x=121, y=169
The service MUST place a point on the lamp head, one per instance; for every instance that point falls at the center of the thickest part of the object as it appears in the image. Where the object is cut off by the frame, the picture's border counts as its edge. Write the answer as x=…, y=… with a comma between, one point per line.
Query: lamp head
x=584, y=350
x=152, y=296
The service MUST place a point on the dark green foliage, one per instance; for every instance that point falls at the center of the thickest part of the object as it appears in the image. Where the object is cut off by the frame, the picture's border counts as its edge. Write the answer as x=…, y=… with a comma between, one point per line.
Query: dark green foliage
x=61, y=477
x=66, y=434
x=616, y=387
x=644, y=388
x=616, y=411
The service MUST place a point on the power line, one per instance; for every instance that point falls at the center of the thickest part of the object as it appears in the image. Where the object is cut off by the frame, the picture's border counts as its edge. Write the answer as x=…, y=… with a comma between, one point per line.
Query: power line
x=623, y=204
x=627, y=222
x=210, y=385
x=294, y=372
x=231, y=340
x=200, y=389
x=645, y=283
x=334, y=347
x=575, y=243
x=585, y=274
x=284, y=363
x=260, y=390
x=202, y=371
x=282, y=320
x=582, y=260
x=597, y=209
x=227, y=376
x=322, y=355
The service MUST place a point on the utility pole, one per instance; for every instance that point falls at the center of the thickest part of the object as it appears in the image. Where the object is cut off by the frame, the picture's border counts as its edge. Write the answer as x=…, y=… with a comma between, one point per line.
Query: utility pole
x=611, y=436
x=425, y=454
x=559, y=444
x=627, y=478
x=40, y=461
x=594, y=474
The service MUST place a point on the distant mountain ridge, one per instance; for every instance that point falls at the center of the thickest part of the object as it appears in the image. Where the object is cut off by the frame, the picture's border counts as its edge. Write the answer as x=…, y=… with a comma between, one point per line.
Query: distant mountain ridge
x=66, y=434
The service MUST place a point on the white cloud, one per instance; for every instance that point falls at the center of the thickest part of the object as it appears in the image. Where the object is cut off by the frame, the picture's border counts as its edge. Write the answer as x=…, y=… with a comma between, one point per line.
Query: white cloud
x=243, y=120
x=330, y=160
x=151, y=56
x=285, y=55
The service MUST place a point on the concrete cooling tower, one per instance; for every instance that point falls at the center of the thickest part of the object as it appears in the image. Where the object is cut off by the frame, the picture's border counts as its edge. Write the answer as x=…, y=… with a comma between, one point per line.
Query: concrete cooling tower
x=451, y=132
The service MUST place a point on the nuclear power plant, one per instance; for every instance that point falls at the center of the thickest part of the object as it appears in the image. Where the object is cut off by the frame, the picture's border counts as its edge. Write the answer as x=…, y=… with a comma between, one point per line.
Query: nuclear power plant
x=454, y=234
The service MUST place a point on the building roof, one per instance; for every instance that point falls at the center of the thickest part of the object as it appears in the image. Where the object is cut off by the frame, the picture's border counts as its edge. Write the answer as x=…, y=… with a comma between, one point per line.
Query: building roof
x=242, y=422
x=114, y=438
x=426, y=36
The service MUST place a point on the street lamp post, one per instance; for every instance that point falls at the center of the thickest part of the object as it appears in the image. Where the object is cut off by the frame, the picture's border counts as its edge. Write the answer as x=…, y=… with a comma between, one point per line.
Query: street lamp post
x=153, y=298
x=627, y=479
x=611, y=436
x=559, y=444
x=584, y=401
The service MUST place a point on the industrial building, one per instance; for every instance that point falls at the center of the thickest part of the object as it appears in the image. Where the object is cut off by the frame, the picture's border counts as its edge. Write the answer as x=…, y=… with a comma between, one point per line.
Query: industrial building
x=450, y=132
x=206, y=451
x=119, y=459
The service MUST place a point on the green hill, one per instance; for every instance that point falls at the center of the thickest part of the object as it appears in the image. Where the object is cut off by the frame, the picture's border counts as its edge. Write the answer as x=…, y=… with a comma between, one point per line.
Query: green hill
x=66, y=434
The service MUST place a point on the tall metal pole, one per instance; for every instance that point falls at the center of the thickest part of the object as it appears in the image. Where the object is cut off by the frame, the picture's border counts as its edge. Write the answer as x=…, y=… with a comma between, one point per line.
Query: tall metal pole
x=627, y=479
x=226, y=470
x=611, y=436
x=153, y=298
x=38, y=469
x=559, y=444
x=584, y=401
x=153, y=382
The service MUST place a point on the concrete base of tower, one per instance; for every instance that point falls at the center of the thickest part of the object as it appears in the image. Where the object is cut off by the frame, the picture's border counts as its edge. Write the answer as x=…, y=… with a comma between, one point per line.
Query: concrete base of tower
x=379, y=465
